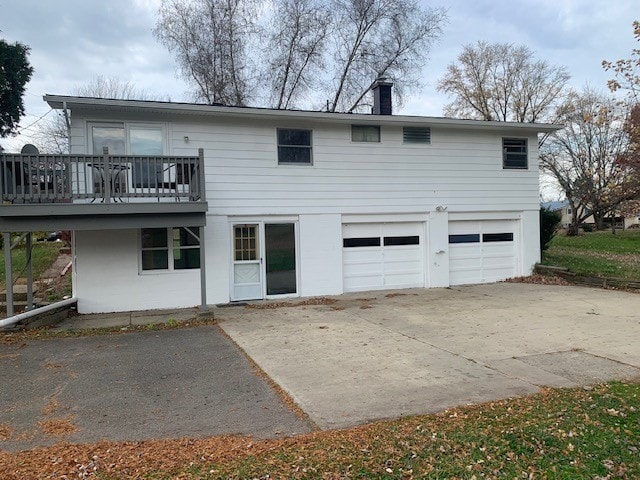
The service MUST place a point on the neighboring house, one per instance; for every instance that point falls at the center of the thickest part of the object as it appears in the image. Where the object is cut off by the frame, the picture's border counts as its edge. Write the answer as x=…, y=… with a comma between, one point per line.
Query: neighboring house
x=280, y=203
x=565, y=210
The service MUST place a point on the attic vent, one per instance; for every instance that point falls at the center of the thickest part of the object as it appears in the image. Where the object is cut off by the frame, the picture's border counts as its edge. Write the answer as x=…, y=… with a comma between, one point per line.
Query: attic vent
x=416, y=135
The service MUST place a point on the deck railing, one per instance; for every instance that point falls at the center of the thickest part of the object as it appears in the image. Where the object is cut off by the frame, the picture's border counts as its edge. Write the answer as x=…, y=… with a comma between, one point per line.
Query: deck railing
x=100, y=178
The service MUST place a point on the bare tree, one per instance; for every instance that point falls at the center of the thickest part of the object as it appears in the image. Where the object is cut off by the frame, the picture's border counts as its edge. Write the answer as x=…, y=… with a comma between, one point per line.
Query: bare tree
x=369, y=39
x=113, y=87
x=379, y=38
x=584, y=157
x=52, y=134
x=296, y=49
x=502, y=82
x=208, y=38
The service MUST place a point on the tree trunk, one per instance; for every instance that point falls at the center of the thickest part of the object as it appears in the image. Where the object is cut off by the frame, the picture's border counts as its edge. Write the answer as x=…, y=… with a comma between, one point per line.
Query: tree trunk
x=573, y=228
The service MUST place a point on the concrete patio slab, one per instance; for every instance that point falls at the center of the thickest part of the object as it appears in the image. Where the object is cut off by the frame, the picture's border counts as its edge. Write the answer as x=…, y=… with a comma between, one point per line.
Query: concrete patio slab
x=360, y=357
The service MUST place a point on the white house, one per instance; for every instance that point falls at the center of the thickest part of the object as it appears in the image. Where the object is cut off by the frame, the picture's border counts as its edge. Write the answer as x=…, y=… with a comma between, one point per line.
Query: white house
x=281, y=203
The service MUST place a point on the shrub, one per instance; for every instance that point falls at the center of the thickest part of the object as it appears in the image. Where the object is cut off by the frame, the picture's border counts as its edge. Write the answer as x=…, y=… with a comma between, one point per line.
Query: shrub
x=549, y=221
x=586, y=227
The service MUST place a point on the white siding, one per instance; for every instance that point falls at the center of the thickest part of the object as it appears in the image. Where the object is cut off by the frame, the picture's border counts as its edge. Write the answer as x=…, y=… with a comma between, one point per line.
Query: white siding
x=107, y=277
x=460, y=169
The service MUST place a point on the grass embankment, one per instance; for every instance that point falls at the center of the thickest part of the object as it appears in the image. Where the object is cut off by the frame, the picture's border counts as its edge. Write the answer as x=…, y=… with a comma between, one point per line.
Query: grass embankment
x=44, y=254
x=559, y=434
x=598, y=254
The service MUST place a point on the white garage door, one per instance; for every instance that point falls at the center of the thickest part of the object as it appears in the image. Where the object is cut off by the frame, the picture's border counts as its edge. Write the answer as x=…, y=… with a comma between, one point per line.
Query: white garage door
x=482, y=251
x=379, y=256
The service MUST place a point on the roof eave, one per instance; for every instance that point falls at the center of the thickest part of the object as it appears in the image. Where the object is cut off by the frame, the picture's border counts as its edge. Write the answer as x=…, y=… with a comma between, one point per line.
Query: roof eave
x=61, y=101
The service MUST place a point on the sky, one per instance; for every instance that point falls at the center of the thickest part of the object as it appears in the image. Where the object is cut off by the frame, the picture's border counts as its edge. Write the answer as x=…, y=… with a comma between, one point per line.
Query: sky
x=73, y=41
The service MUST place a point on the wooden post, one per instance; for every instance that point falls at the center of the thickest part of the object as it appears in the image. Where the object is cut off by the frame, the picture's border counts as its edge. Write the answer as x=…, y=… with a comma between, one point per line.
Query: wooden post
x=203, y=271
x=202, y=183
x=29, y=271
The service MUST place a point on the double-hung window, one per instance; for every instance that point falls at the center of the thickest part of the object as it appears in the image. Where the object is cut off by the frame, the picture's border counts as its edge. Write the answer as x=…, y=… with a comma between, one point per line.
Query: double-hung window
x=294, y=146
x=175, y=248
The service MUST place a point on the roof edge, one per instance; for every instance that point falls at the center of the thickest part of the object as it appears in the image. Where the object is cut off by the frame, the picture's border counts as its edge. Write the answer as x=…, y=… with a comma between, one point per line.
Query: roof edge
x=62, y=101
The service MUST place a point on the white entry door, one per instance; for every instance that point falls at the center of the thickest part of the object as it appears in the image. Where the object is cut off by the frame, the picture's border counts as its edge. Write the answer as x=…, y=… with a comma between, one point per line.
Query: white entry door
x=264, y=260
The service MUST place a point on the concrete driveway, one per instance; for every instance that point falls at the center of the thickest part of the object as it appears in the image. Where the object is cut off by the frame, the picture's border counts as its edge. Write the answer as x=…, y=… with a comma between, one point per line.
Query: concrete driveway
x=361, y=357
x=191, y=382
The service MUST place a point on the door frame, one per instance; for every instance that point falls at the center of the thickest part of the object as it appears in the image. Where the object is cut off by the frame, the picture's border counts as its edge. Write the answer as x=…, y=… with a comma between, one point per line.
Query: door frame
x=260, y=222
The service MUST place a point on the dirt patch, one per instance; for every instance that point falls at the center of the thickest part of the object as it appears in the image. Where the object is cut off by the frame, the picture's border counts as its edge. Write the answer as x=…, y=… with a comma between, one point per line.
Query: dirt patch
x=540, y=279
x=304, y=303
x=393, y=295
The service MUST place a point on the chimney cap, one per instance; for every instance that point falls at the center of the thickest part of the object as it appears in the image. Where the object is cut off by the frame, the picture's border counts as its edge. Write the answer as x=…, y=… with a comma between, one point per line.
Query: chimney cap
x=384, y=81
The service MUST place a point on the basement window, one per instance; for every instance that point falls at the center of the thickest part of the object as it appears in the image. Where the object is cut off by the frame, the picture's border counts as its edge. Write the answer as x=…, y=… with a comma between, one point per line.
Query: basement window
x=170, y=248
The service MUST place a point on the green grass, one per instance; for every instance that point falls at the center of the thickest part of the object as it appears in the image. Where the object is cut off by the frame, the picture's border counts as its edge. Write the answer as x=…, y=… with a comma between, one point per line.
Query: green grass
x=624, y=241
x=558, y=434
x=599, y=254
x=44, y=254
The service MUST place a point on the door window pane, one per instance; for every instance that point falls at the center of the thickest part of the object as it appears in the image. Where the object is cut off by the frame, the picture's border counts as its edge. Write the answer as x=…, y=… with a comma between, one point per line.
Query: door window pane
x=280, y=251
x=147, y=142
x=245, y=242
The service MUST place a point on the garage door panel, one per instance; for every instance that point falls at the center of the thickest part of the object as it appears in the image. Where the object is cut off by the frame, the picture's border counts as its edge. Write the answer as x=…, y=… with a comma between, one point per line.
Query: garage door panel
x=488, y=258
x=397, y=263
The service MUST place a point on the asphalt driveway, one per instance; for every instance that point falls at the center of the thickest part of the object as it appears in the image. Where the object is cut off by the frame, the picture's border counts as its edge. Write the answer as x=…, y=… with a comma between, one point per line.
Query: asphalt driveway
x=190, y=382
x=361, y=357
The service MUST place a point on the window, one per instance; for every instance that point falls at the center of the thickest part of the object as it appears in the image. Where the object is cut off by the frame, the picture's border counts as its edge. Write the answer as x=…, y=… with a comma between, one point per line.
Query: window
x=497, y=237
x=398, y=241
x=245, y=242
x=416, y=135
x=170, y=248
x=365, y=133
x=294, y=147
x=361, y=242
x=514, y=153
x=109, y=136
x=465, y=238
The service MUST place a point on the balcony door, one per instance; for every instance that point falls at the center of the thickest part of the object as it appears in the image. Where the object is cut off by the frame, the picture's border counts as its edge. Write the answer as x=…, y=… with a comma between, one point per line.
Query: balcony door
x=264, y=260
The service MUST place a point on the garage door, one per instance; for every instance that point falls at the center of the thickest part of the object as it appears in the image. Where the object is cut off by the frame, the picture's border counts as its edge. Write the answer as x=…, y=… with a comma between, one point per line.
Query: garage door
x=482, y=251
x=380, y=256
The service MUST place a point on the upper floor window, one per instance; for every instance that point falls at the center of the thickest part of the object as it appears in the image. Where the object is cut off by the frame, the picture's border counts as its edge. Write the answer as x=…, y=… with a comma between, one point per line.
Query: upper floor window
x=294, y=147
x=514, y=153
x=365, y=133
x=416, y=135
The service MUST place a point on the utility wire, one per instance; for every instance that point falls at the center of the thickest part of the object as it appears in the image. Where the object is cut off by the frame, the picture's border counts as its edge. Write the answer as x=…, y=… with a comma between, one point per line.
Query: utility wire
x=35, y=121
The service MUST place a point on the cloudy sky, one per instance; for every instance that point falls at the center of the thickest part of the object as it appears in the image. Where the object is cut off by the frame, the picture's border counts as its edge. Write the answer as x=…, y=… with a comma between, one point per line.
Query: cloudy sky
x=72, y=41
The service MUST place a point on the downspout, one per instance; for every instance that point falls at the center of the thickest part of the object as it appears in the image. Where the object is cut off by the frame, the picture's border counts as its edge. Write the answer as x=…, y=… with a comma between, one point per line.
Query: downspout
x=67, y=121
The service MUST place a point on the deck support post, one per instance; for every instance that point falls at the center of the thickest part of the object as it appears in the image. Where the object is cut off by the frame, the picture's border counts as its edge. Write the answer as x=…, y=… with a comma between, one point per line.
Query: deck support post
x=29, y=251
x=203, y=271
x=8, y=274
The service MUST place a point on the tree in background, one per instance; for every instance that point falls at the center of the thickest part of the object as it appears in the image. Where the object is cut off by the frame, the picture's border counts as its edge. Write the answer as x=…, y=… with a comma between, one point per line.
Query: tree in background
x=583, y=157
x=15, y=73
x=297, y=41
x=502, y=82
x=52, y=135
x=343, y=45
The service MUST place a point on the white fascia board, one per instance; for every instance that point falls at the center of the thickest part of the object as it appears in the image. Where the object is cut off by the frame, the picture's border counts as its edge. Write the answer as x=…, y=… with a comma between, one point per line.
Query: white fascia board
x=89, y=103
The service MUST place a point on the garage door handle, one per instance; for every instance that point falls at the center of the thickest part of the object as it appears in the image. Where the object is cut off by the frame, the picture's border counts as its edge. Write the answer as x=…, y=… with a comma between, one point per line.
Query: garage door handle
x=441, y=251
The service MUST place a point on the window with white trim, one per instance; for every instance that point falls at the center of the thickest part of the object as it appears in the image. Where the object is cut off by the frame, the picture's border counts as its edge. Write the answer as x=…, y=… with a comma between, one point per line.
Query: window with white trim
x=176, y=248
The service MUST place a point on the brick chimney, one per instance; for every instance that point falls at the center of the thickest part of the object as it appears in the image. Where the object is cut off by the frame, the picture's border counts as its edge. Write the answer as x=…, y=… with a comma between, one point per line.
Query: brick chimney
x=382, y=96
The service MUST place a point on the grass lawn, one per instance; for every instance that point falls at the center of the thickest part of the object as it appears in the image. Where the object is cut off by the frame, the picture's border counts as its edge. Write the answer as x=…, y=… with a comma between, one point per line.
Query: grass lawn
x=559, y=434
x=44, y=254
x=600, y=254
